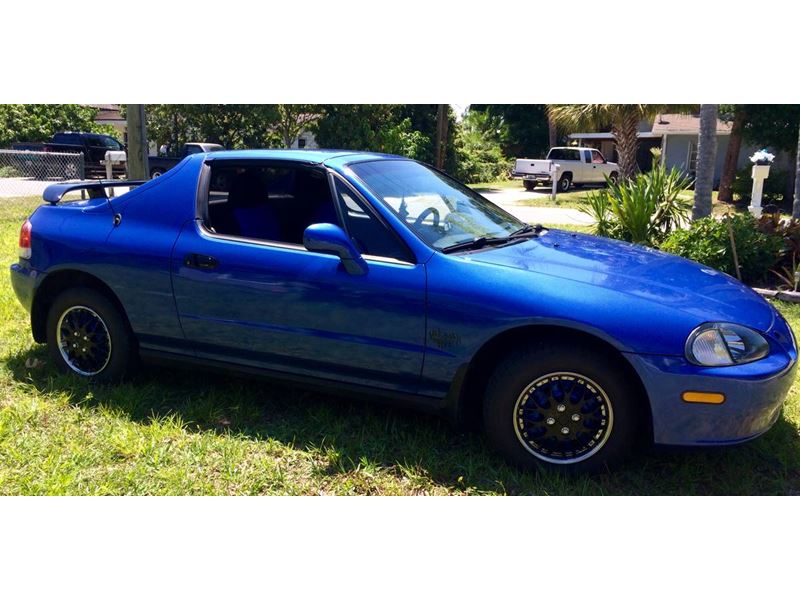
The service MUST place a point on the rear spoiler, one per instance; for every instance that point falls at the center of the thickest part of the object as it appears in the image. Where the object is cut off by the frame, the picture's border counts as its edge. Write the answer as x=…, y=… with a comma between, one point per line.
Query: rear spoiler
x=97, y=189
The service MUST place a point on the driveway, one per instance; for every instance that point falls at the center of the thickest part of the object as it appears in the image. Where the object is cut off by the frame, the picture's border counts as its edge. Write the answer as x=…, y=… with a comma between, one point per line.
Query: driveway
x=510, y=199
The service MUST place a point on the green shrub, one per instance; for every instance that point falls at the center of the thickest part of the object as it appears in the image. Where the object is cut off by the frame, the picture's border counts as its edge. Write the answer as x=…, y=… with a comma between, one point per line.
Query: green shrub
x=9, y=171
x=708, y=242
x=644, y=209
x=478, y=147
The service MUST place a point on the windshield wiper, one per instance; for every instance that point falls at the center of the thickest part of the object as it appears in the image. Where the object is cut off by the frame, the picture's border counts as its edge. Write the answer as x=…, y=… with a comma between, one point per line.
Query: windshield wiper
x=528, y=230
x=474, y=244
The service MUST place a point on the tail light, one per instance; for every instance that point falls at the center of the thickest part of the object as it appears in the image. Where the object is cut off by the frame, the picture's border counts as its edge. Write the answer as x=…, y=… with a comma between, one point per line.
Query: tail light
x=25, y=240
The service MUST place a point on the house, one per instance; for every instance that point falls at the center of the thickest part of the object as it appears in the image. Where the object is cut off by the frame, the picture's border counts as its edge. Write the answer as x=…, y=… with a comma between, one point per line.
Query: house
x=676, y=135
x=110, y=114
x=305, y=140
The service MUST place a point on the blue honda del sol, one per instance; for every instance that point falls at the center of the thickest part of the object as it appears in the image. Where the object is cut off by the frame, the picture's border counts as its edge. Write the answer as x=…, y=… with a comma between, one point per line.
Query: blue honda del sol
x=360, y=272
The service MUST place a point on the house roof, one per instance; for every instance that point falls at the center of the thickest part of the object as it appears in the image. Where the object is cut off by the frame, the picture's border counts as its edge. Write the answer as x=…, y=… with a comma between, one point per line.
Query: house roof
x=609, y=136
x=689, y=124
x=105, y=106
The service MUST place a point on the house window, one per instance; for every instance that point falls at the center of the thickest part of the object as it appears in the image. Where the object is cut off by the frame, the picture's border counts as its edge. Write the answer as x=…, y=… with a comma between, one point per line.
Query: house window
x=301, y=143
x=691, y=160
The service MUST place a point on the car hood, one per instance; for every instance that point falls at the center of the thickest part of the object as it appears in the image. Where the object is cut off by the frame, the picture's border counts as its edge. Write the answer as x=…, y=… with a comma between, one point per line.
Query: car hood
x=662, y=278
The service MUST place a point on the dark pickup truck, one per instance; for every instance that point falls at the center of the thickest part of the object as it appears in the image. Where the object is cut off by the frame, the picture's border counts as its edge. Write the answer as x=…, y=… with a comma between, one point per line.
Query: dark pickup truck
x=93, y=146
x=159, y=165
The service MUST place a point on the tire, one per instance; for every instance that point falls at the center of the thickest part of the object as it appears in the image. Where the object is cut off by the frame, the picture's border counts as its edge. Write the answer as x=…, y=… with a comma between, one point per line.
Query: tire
x=110, y=354
x=156, y=173
x=564, y=183
x=537, y=430
x=529, y=185
x=614, y=177
x=70, y=171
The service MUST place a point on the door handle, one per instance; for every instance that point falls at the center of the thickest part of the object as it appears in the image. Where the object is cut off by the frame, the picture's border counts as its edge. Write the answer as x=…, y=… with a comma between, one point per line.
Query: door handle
x=200, y=261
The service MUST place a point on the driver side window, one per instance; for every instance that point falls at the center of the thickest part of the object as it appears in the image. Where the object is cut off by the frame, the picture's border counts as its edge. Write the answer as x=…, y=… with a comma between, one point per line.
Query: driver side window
x=369, y=234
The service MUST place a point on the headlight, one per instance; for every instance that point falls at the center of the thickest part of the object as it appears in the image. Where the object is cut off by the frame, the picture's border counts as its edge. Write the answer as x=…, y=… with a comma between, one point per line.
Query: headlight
x=721, y=344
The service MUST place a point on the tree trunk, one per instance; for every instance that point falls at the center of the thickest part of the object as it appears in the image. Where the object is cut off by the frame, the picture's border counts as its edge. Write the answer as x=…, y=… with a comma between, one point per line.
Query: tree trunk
x=706, y=158
x=732, y=157
x=137, y=142
x=625, y=132
x=788, y=190
x=441, y=135
x=796, y=205
x=552, y=131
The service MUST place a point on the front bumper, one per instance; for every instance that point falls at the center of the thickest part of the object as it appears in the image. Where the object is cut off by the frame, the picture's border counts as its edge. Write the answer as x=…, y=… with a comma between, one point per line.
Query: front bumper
x=754, y=395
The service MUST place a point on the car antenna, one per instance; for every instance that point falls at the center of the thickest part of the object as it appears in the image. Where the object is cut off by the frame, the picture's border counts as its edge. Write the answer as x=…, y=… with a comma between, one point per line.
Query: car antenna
x=117, y=216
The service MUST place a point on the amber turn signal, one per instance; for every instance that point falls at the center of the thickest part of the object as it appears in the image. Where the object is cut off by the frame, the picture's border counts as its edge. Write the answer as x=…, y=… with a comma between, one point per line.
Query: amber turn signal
x=704, y=397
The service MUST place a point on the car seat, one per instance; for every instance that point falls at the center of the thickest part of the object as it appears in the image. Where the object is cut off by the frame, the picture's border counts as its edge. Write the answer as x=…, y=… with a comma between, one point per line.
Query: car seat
x=248, y=212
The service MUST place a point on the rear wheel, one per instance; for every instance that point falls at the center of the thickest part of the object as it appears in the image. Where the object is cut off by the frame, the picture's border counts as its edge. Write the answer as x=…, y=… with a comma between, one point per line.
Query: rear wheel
x=529, y=185
x=562, y=407
x=87, y=335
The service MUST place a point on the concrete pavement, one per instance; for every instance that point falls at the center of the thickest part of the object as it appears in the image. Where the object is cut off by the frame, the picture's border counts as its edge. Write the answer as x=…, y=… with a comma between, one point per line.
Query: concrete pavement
x=510, y=200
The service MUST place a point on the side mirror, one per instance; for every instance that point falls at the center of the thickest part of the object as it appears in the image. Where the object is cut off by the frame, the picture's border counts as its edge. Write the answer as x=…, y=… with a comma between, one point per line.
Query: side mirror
x=331, y=239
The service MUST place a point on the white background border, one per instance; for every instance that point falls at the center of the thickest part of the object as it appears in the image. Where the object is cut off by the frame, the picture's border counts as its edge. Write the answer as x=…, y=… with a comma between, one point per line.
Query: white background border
x=410, y=51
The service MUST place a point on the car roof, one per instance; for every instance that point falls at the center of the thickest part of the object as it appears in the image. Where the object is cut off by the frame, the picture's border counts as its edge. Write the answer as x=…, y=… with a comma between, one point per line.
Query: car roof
x=301, y=156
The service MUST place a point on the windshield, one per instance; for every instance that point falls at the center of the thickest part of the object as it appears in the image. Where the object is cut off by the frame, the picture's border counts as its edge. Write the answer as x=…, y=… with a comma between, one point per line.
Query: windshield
x=441, y=211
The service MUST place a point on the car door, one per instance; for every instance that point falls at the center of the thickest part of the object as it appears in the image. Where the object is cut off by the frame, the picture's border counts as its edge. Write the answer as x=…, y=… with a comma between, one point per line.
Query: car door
x=599, y=168
x=274, y=305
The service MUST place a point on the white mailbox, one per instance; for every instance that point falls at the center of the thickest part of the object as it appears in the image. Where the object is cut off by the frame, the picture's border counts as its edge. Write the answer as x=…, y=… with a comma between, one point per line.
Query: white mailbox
x=761, y=162
x=113, y=157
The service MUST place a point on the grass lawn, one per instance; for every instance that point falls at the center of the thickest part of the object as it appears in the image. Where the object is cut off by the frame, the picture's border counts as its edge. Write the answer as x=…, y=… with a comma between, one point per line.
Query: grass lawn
x=495, y=186
x=173, y=432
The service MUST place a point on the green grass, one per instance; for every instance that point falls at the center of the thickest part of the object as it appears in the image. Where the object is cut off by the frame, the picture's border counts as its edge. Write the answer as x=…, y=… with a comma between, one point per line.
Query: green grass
x=496, y=186
x=173, y=432
x=566, y=227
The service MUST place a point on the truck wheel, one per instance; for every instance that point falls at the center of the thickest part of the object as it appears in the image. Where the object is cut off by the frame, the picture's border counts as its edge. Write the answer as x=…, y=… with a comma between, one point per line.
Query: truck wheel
x=156, y=173
x=529, y=185
x=70, y=171
x=564, y=183
x=87, y=336
x=562, y=406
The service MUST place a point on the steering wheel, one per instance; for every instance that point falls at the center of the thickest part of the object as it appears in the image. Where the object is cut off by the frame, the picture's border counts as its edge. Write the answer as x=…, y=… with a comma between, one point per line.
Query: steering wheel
x=424, y=215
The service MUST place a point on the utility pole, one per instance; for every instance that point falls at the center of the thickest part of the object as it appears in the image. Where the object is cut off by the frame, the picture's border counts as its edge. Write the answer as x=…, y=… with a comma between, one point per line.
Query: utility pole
x=137, y=143
x=441, y=135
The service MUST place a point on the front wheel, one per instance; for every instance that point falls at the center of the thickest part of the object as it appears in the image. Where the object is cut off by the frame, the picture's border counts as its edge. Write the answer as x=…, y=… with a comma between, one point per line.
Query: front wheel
x=613, y=178
x=156, y=173
x=564, y=183
x=87, y=336
x=562, y=407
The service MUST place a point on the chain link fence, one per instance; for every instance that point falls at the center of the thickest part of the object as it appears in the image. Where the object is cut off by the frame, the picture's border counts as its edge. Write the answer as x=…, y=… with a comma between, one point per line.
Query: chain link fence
x=26, y=173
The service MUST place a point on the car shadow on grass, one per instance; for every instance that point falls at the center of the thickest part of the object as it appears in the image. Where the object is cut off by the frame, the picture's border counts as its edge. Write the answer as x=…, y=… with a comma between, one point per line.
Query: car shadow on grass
x=402, y=442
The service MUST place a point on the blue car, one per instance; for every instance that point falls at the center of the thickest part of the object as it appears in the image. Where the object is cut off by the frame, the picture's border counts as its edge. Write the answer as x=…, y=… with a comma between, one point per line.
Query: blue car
x=368, y=273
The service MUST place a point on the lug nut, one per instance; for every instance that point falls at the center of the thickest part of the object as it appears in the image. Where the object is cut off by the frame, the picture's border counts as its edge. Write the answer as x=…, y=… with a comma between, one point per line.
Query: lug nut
x=561, y=408
x=550, y=421
x=565, y=430
x=576, y=417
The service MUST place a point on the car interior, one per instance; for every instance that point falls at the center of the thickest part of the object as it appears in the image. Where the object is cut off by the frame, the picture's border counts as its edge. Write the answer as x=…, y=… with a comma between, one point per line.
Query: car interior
x=278, y=203
x=268, y=203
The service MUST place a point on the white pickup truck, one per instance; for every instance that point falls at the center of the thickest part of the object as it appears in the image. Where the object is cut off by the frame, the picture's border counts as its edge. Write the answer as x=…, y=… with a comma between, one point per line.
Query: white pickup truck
x=571, y=165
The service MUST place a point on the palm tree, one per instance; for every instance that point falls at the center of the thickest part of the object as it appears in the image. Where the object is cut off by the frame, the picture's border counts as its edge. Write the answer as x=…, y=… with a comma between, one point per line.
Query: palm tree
x=796, y=204
x=706, y=159
x=623, y=118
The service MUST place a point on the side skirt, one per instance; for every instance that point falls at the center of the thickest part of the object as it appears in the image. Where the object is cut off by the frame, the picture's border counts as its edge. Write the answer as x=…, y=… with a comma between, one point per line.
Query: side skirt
x=437, y=406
